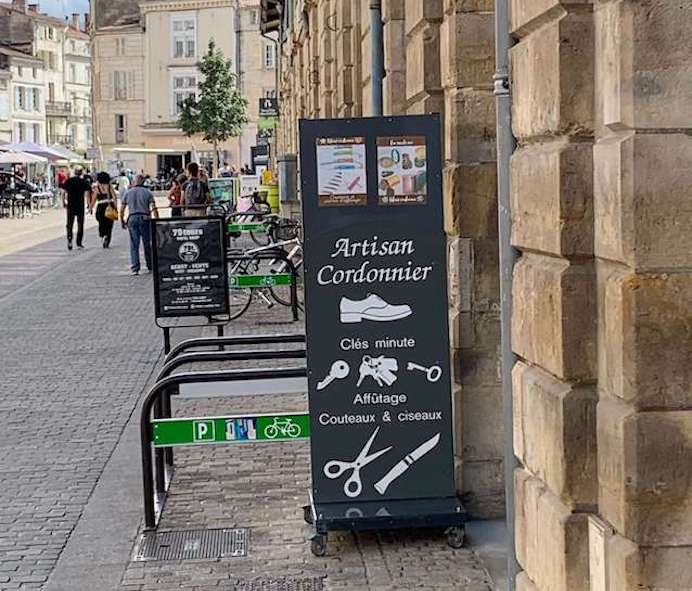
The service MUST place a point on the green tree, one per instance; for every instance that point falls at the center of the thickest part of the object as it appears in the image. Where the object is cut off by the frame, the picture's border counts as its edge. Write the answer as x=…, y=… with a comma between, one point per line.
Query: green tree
x=219, y=111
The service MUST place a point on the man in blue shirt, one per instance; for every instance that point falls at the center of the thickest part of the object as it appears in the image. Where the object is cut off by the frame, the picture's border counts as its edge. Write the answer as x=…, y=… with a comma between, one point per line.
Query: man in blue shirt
x=140, y=205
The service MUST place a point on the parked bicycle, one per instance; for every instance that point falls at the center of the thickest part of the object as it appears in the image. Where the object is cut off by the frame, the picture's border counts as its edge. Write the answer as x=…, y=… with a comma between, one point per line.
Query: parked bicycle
x=276, y=276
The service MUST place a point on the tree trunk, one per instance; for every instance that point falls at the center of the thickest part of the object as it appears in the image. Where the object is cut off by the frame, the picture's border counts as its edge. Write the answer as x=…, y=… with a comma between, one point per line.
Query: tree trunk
x=215, y=167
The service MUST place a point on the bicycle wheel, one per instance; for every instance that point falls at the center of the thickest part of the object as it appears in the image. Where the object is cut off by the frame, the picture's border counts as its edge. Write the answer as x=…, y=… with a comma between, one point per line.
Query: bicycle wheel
x=282, y=294
x=239, y=300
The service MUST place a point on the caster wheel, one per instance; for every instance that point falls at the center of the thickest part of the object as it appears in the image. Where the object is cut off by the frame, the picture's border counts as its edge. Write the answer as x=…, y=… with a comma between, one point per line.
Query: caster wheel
x=456, y=536
x=307, y=514
x=318, y=544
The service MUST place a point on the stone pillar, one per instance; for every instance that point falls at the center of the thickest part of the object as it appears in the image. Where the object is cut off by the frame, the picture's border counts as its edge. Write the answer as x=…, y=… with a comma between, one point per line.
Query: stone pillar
x=554, y=316
x=465, y=67
x=345, y=60
x=324, y=58
x=394, y=92
x=423, y=77
x=643, y=246
x=365, y=63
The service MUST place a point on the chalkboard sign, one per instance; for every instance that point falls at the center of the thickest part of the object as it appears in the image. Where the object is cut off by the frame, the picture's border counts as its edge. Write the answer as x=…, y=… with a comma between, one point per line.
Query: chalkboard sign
x=376, y=312
x=190, y=270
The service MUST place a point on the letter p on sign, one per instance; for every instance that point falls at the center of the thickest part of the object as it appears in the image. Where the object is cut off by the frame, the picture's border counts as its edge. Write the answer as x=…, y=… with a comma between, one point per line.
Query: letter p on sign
x=203, y=431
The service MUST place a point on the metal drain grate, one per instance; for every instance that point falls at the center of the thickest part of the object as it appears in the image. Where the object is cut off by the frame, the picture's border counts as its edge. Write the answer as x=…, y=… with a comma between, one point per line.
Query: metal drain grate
x=192, y=544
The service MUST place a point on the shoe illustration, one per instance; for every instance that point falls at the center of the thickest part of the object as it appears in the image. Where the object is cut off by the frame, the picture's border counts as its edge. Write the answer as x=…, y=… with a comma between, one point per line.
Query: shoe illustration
x=371, y=308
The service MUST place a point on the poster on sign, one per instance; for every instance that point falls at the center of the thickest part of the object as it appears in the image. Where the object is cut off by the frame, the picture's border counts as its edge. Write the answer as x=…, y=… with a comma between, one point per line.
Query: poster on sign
x=190, y=270
x=376, y=320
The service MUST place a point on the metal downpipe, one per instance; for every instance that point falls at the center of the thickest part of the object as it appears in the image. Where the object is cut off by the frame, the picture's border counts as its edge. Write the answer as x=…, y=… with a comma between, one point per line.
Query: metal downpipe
x=377, y=55
x=508, y=255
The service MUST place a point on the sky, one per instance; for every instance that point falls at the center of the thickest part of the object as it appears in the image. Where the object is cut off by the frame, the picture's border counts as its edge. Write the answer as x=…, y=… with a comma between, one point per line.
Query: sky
x=62, y=8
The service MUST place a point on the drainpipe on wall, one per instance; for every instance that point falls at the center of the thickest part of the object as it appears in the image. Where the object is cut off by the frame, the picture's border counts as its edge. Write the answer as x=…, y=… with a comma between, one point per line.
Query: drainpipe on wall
x=377, y=74
x=508, y=255
x=238, y=70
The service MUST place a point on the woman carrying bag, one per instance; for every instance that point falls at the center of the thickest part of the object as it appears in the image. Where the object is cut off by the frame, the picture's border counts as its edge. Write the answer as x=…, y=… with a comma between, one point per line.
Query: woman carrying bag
x=106, y=207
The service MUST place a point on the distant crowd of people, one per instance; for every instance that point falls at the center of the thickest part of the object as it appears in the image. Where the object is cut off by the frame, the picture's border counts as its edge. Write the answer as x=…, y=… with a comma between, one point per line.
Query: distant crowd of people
x=129, y=200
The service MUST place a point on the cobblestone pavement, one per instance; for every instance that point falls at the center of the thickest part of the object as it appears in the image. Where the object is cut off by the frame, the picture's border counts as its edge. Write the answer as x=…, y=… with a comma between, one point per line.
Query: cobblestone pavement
x=78, y=344
x=262, y=487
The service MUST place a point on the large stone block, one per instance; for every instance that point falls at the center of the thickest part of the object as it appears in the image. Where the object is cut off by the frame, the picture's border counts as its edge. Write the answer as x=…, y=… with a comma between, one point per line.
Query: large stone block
x=470, y=200
x=469, y=125
x=425, y=103
x=642, y=204
x=467, y=50
x=644, y=71
x=483, y=483
x=482, y=423
x=554, y=316
x=418, y=13
x=392, y=10
x=645, y=331
x=634, y=568
x=552, y=79
x=423, y=62
x=555, y=434
x=480, y=365
x=552, y=197
x=468, y=6
x=551, y=541
x=528, y=15
x=644, y=473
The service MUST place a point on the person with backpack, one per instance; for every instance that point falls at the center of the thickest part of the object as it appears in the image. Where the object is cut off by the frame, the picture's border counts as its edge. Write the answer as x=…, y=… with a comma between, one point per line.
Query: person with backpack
x=196, y=194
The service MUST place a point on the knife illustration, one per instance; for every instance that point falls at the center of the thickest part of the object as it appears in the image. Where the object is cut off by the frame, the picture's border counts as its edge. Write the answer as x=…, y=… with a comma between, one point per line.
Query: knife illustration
x=383, y=484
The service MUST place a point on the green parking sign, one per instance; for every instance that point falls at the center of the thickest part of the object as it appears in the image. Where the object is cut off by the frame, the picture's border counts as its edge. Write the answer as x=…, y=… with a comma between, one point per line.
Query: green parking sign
x=203, y=431
x=230, y=429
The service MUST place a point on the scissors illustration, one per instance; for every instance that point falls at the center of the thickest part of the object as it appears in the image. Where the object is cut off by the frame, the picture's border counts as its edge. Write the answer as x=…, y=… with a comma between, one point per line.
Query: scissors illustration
x=335, y=468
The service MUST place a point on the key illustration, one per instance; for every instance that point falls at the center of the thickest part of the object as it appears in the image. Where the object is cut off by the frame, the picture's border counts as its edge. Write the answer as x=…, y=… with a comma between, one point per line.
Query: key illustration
x=339, y=370
x=433, y=373
x=381, y=369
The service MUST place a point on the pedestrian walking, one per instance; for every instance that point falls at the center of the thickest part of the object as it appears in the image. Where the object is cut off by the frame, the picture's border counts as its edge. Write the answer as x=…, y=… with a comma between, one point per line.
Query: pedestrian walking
x=76, y=193
x=175, y=196
x=140, y=205
x=106, y=202
x=196, y=194
x=123, y=184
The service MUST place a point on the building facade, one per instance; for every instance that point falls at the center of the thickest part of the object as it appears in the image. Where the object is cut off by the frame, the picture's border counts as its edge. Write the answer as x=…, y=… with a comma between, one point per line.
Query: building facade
x=78, y=85
x=23, y=114
x=61, y=49
x=118, y=84
x=146, y=57
x=602, y=289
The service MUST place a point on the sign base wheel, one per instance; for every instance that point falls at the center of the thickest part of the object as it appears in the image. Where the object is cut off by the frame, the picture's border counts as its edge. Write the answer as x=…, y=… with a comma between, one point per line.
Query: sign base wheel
x=456, y=536
x=318, y=544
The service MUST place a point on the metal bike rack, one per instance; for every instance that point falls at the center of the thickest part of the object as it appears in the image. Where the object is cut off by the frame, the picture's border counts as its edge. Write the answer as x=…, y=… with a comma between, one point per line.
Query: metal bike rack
x=158, y=398
x=193, y=343
x=162, y=408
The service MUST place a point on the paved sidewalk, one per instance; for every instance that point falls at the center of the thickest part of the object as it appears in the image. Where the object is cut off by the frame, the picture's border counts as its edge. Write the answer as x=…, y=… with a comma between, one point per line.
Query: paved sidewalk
x=79, y=343
x=21, y=233
x=262, y=487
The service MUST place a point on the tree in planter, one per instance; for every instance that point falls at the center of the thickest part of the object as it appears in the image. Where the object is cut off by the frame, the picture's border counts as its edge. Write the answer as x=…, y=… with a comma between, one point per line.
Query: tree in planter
x=219, y=111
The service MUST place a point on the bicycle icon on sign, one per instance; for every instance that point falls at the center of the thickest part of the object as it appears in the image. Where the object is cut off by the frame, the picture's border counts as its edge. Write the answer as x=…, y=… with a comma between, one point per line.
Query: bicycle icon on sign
x=268, y=281
x=283, y=427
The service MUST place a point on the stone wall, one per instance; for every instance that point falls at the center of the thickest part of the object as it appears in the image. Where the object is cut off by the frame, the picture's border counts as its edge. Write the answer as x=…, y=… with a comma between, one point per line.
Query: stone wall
x=603, y=294
x=438, y=58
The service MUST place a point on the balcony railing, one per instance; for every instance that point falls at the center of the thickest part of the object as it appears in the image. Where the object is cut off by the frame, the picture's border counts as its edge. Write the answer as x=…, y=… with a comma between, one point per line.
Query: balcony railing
x=63, y=140
x=58, y=109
